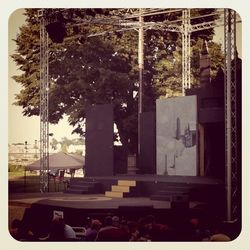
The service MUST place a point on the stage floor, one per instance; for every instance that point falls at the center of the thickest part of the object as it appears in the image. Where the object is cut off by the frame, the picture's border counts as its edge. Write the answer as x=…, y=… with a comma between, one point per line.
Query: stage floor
x=87, y=201
x=160, y=178
x=76, y=208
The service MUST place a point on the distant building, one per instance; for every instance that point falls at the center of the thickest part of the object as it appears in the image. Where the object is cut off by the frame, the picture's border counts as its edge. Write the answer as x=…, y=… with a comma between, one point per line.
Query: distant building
x=76, y=148
x=23, y=153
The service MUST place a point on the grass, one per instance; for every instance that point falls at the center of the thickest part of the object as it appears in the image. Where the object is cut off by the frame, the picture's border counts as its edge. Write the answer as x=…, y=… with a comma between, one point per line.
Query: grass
x=18, y=183
x=15, y=212
x=19, y=175
x=31, y=184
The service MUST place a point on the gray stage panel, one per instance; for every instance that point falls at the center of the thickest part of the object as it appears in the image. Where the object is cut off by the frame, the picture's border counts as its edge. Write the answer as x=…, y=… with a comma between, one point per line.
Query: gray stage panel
x=176, y=136
x=99, y=141
x=148, y=144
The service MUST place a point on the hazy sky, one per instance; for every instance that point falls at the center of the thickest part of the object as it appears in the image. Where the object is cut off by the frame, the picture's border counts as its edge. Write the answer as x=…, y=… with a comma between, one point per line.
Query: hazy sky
x=23, y=128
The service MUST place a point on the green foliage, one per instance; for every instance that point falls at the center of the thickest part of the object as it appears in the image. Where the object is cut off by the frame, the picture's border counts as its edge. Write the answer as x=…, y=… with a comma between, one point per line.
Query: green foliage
x=79, y=152
x=15, y=168
x=86, y=71
x=78, y=141
x=54, y=143
x=64, y=148
x=30, y=184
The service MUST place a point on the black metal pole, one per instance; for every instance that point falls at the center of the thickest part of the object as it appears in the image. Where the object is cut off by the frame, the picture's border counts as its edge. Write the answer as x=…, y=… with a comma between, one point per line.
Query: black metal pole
x=140, y=91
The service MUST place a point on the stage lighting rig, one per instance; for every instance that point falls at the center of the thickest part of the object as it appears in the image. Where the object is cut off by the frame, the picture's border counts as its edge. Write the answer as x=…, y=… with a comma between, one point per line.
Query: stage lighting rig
x=56, y=27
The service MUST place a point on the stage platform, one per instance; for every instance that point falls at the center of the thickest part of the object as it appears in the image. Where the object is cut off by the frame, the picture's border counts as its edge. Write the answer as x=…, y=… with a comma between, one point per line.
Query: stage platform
x=76, y=208
x=87, y=201
x=160, y=178
x=40, y=208
x=153, y=186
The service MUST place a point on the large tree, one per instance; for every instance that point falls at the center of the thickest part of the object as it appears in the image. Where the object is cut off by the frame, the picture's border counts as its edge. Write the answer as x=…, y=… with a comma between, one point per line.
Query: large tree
x=83, y=71
x=103, y=69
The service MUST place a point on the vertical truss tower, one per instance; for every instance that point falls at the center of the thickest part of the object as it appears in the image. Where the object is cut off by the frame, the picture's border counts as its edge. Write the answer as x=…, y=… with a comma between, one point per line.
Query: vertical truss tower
x=232, y=155
x=44, y=106
x=186, y=50
x=231, y=138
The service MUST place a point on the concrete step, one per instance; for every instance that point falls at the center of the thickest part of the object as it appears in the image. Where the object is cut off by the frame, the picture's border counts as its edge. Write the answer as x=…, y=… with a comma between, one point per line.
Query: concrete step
x=173, y=192
x=114, y=194
x=161, y=197
x=80, y=185
x=129, y=183
x=73, y=191
x=84, y=188
x=170, y=197
x=120, y=188
x=172, y=187
x=80, y=191
x=76, y=181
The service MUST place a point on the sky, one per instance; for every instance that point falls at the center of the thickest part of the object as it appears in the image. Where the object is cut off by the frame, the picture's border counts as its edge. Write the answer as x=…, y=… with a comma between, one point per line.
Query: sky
x=23, y=128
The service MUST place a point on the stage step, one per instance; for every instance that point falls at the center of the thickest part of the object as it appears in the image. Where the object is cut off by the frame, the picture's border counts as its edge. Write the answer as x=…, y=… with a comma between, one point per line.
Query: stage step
x=130, y=183
x=114, y=194
x=161, y=197
x=80, y=186
x=170, y=197
x=171, y=192
x=124, y=188
x=120, y=188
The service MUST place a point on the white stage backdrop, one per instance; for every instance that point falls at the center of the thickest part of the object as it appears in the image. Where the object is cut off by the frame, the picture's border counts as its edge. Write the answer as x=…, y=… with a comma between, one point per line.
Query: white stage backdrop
x=176, y=136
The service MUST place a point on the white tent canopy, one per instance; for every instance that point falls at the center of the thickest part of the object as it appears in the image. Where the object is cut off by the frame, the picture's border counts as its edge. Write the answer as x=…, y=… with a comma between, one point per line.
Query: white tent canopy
x=60, y=161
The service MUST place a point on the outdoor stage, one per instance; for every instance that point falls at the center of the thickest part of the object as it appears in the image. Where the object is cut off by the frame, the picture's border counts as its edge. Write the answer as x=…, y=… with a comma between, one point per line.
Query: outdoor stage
x=40, y=208
x=76, y=208
x=87, y=201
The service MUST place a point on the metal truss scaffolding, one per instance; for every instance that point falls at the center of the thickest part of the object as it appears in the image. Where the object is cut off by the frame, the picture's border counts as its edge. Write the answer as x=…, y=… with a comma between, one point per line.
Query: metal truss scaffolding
x=123, y=24
x=232, y=172
x=141, y=84
x=44, y=104
x=186, y=50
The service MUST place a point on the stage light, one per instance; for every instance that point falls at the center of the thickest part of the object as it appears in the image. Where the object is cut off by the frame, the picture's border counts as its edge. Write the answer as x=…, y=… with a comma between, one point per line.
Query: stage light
x=56, y=27
x=56, y=31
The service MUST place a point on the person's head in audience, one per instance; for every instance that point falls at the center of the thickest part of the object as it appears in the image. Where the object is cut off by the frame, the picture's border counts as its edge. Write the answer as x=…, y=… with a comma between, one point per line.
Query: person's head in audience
x=57, y=229
x=115, y=221
x=95, y=224
x=149, y=222
x=108, y=221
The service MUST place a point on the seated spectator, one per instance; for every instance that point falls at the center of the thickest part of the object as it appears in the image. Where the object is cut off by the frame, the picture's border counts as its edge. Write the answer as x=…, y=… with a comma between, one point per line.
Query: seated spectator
x=116, y=221
x=220, y=237
x=20, y=231
x=133, y=231
x=69, y=232
x=155, y=231
x=198, y=231
x=59, y=231
x=110, y=231
x=15, y=229
x=93, y=230
x=220, y=233
x=56, y=232
x=88, y=222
